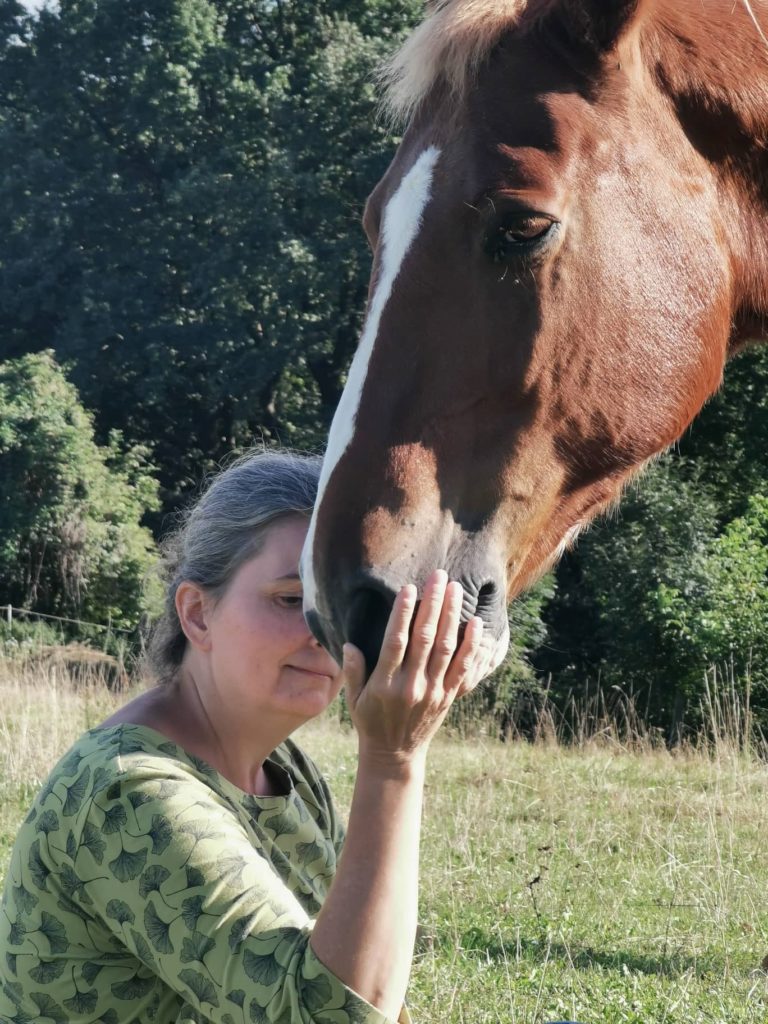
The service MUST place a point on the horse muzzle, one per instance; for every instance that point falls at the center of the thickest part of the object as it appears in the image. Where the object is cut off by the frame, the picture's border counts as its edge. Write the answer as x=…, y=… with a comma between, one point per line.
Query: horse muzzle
x=355, y=608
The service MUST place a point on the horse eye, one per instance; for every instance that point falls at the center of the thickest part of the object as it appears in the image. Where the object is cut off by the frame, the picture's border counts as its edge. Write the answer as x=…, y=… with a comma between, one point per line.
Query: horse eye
x=527, y=229
x=517, y=235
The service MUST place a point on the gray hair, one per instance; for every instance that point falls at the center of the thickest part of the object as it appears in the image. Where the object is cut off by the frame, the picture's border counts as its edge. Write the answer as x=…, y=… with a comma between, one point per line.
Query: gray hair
x=222, y=530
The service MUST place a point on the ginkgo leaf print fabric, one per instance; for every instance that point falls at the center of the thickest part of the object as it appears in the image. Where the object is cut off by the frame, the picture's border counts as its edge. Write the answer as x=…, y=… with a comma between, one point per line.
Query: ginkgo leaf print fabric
x=144, y=886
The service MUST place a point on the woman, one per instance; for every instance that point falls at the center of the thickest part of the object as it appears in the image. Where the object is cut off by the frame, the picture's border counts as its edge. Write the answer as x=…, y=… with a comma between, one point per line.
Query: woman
x=182, y=861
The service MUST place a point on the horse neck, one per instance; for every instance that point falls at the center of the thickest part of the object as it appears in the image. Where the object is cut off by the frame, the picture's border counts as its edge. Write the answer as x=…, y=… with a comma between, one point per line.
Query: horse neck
x=712, y=60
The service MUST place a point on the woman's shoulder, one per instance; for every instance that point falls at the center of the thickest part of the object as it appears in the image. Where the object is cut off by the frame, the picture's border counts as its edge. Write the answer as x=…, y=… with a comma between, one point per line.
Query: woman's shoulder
x=106, y=756
x=116, y=748
x=93, y=760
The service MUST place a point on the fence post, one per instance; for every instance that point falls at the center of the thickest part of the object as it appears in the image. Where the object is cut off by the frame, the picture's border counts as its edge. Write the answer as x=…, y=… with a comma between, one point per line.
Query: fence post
x=9, y=614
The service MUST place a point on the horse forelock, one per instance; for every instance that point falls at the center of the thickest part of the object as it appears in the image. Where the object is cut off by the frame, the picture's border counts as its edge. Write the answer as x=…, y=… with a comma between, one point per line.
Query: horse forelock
x=454, y=39
x=449, y=45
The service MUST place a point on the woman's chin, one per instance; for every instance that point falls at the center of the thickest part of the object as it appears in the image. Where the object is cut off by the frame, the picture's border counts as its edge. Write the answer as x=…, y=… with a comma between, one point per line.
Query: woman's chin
x=309, y=694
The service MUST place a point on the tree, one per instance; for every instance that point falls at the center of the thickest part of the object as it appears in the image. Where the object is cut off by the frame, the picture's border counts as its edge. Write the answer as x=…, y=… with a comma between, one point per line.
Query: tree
x=71, y=539
x=730, y=438
x=673, y=585
x=180, y=191
x=608, y=625
x=725, y=622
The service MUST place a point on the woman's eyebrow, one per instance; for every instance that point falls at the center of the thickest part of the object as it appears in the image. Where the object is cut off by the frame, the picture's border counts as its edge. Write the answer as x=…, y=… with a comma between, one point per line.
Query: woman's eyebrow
x=288, y=576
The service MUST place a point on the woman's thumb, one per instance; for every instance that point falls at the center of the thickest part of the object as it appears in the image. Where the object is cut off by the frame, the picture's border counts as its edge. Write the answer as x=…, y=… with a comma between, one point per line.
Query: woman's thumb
x=353, y=672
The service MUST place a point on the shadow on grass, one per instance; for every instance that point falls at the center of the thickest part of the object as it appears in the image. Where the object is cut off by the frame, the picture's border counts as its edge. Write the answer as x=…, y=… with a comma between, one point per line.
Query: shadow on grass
x=478, y=943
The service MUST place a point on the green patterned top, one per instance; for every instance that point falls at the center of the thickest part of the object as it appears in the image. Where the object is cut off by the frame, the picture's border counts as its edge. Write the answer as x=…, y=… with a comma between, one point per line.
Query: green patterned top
x=145, y=887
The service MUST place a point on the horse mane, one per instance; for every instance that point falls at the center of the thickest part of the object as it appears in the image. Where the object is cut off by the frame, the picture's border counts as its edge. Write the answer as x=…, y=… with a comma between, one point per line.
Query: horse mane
x=454, y=39
x=449, y=45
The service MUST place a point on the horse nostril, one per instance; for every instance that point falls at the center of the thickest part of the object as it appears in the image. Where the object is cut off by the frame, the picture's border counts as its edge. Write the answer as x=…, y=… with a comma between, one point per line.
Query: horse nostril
x=486, y=599
x=482, y=601
x=485, y=604
x=367, y=620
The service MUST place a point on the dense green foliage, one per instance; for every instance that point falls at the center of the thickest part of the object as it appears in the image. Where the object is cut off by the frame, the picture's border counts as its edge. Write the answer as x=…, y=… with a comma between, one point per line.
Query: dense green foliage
x=181, y=185
x=71, y=543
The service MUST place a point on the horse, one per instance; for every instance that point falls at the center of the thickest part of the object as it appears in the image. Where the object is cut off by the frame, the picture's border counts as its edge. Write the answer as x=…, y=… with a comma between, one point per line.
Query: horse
x=569, y=244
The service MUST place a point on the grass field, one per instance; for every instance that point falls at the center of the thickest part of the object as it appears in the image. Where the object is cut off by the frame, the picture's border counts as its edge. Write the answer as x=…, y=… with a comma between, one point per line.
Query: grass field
x=591, y=884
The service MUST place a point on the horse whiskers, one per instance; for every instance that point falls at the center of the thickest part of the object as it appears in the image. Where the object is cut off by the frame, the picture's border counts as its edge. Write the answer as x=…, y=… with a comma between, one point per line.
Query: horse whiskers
x=755, y=22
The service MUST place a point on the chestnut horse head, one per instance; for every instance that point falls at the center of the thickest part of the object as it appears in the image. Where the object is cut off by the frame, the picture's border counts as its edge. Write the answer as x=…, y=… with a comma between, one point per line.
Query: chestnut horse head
x=567, y=246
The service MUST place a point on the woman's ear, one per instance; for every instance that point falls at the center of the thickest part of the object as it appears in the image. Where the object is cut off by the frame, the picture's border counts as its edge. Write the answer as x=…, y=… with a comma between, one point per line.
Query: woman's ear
x=193, y=607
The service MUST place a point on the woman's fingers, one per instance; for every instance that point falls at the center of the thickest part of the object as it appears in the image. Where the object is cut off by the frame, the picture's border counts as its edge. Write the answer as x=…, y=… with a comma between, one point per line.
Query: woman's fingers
x=465, y=661
x=422, y=668
x=447, y=634
x=478, y=671
x=396, y=635
x=353, y=673
x=421, y=645
x=426, y=622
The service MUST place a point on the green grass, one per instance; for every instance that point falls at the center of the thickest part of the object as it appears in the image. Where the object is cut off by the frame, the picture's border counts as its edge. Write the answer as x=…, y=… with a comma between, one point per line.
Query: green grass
x=590, y=884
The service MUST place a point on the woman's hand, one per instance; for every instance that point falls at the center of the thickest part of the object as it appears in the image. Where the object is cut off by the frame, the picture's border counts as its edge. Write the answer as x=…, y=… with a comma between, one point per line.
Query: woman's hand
x=420, y=672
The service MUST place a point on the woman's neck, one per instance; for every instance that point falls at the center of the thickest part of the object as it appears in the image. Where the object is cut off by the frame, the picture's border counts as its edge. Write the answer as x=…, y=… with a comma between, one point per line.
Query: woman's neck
x=234, y=748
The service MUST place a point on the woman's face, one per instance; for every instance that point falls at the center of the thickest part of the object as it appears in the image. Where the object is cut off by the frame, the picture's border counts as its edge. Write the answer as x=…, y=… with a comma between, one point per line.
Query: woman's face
x=263, y=658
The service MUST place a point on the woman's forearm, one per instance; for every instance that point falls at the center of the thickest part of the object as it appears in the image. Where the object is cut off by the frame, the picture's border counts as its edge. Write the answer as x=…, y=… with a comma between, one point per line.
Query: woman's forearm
x=367, y=927
x=366, y=930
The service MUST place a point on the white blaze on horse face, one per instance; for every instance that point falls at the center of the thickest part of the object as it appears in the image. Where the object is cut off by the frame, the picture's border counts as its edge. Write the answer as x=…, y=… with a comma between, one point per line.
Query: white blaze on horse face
x=400, y=226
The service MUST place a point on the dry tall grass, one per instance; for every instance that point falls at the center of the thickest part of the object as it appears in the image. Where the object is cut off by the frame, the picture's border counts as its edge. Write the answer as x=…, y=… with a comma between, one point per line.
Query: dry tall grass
x=44, y=708
x=42, y=712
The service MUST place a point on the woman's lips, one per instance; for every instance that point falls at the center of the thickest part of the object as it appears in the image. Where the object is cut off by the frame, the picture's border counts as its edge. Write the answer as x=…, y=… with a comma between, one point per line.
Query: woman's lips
x=311, y=672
